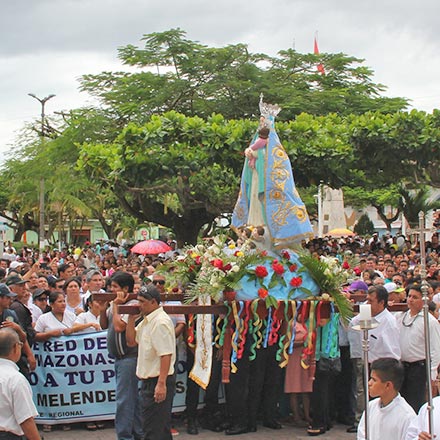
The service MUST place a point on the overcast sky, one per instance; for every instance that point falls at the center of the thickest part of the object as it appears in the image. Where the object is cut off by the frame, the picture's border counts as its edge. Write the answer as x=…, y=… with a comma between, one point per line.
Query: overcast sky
x=47, y=44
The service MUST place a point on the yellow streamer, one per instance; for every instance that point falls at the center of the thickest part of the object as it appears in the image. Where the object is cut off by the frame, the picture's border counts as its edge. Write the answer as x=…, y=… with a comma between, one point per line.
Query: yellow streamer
x=237, y=328
x=288, y=335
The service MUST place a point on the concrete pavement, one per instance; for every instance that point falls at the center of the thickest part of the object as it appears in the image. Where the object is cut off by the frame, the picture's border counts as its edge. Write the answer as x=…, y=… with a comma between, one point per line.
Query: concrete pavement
x=287, y=433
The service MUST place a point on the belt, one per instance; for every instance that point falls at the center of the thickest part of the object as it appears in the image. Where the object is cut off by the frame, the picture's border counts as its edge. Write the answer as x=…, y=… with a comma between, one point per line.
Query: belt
x=414, y=364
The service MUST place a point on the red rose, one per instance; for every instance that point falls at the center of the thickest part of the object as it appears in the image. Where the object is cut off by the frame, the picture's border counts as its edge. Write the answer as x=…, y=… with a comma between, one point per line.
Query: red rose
x=264, y=253
x=293, y=267
x=197, y=259
x=227, y=267
x=286, y=255
x=296, y=281
x=261, y=271
x=278, y=268
x=262, y=293
x=345, y=265
x=217, y=263
x=175, y=290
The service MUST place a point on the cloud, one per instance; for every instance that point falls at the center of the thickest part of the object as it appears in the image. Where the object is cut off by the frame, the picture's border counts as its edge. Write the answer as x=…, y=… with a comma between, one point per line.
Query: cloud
x=50, y=43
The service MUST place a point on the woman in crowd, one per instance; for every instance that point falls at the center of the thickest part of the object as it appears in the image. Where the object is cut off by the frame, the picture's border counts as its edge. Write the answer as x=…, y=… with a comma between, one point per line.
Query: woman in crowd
x=90, y=316
x=72, y=290
x=55, y=323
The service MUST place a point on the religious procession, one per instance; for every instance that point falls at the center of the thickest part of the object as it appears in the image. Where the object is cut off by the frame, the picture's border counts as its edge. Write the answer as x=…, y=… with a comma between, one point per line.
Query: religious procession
x=265, y=327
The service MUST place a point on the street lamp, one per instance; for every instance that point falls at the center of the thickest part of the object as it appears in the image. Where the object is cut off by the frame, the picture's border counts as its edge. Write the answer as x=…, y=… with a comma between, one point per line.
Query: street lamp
x=42, y=101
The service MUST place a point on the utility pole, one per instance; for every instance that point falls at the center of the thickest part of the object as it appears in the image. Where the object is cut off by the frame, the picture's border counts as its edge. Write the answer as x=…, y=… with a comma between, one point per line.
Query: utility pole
x=42, y=101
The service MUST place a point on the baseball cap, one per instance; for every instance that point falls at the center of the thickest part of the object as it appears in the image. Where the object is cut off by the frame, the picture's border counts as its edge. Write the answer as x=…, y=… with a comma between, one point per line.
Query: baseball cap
x=13, y=280
x=40, y=292
x=4, y=291
x=149, y=292
x=358, y=285
x=15, y=264
x=393, y=287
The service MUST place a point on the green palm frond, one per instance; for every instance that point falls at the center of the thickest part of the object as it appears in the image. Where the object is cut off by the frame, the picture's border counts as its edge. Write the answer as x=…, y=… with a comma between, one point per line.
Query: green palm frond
x=328, y=281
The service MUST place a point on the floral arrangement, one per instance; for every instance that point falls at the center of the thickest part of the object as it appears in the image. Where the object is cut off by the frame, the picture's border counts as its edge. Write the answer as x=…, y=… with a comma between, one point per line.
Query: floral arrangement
x=216, y=268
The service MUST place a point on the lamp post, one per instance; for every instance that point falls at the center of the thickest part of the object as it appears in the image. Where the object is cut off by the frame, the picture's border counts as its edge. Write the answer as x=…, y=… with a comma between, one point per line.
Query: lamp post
x=42, y=101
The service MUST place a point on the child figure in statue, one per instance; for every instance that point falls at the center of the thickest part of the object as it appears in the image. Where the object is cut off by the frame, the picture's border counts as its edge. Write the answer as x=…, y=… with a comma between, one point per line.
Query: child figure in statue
x=268, y=197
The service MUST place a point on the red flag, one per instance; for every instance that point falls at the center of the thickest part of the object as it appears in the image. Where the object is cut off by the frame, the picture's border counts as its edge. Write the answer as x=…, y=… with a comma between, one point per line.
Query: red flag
x=320, y=67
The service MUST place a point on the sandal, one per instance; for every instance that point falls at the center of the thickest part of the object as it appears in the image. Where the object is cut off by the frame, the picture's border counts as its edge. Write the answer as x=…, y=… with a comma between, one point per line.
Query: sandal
x=91, y=426
x=315, y=431
x=47, y=428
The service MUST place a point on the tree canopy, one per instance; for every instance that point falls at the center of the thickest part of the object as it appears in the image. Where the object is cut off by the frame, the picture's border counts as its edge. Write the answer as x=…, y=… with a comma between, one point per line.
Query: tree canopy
x=166, y=142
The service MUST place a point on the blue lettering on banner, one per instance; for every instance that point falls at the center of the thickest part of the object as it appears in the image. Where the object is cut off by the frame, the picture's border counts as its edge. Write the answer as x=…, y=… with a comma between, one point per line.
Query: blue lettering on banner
x=75, y=379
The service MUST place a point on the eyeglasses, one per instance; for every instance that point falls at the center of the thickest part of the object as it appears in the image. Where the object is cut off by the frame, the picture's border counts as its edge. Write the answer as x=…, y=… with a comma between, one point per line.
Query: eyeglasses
x=41, y=298
x=161, y=282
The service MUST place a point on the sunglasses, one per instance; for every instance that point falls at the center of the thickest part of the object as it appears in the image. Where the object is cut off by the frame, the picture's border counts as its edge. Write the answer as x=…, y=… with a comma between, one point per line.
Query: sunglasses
x=160, y=282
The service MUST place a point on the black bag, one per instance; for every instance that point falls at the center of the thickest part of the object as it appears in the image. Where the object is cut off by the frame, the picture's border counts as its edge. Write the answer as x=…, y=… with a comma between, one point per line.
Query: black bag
x=332, y=366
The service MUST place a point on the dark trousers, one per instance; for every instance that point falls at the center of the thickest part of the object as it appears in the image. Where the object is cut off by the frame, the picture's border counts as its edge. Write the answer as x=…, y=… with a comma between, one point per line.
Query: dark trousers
x=9, y=436
x=193, y=390
x=320, y=399
x=264, y=385
x=237, y=393
x=156, y=417
x=344, y=392
x=414, y=385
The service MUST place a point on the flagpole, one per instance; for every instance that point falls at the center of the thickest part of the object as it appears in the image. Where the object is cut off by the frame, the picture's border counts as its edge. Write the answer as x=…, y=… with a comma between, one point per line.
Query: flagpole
x=425, y=288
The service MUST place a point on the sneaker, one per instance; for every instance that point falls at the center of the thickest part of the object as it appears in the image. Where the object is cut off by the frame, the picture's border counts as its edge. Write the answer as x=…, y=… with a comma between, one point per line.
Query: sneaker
x=174, y=432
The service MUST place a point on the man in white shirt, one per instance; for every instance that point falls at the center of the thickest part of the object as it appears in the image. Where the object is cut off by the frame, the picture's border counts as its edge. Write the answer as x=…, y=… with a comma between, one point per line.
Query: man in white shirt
x=419, y=427
x=156, y=339
x=412, y=344
x=16, y=420
x=384, y=339
x=389, y=413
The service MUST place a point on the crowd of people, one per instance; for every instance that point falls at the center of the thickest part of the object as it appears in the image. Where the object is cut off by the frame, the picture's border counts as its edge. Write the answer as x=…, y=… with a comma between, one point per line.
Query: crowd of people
x=50, y=294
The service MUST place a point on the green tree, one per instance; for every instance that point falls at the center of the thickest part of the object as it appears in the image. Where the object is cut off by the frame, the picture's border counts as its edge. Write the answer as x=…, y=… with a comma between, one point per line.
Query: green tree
x=364, y=226
x=416, y=201
x=174, y=73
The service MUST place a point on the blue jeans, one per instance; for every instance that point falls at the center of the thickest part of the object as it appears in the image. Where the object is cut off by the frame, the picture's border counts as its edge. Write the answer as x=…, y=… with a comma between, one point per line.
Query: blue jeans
x=128, y=424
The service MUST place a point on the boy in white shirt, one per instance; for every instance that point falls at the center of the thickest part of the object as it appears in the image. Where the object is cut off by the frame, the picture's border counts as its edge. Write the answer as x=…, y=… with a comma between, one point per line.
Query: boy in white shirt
x=389, y=414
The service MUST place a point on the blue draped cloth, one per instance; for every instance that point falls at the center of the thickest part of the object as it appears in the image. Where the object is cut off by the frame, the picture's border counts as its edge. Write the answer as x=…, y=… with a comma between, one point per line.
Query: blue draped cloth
x=285, y=216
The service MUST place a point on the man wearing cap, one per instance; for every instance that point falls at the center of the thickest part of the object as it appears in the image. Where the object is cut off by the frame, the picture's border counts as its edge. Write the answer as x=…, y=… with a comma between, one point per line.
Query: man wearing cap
x=18, y=286
x=8, y=319
x=39, y=304
x=396, y=294
x=17, y=410
x=155, y=337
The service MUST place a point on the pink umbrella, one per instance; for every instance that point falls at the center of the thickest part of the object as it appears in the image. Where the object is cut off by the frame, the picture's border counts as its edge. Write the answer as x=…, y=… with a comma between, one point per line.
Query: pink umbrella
x=152, y=247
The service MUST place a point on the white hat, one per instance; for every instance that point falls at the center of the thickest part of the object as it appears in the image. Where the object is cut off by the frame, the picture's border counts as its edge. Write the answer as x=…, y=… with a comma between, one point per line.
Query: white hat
x=15, y=264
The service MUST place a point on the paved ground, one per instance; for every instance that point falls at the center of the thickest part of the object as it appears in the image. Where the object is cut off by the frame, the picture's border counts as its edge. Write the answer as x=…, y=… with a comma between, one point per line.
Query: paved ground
x=287, y=433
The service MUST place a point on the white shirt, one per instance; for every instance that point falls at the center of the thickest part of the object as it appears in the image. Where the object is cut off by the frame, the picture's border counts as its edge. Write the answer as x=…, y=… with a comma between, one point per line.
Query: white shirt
x=436, y=298
x=47, y=322
x=16, y=405
x=389, y=422
x=383, y=340
x=36, y=312
x=420, y=423
x=155, y=337
x=412, y=339
x=87, y=318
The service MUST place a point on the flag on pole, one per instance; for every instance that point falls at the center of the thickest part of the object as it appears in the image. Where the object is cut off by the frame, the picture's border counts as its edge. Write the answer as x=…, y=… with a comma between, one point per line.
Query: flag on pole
x=320, y=67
